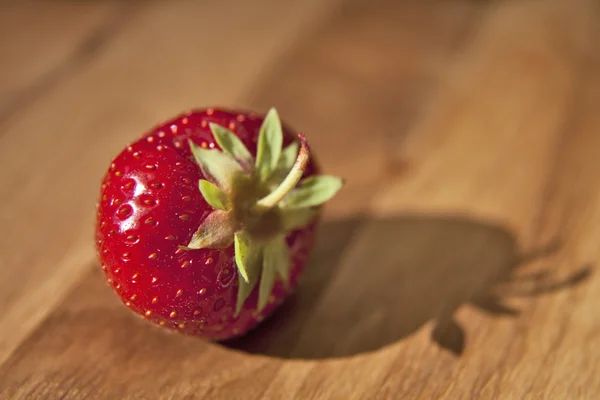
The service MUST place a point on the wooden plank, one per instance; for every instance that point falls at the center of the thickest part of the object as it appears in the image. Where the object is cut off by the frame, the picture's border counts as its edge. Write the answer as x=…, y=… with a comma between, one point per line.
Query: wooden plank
x=43, y=42
x=90, y=343
x=562, y=325
x=72, y=131
x=495, y=168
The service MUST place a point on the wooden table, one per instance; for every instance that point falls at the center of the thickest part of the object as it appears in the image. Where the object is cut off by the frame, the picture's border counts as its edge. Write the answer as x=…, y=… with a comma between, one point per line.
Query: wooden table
x=458, y=263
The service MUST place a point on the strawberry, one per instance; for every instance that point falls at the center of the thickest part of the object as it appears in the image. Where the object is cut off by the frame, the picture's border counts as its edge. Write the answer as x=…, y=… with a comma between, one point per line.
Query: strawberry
x=205, y=223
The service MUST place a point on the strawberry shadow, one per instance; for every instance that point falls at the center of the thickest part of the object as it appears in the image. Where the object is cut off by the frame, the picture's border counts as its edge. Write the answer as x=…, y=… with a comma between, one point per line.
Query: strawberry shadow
x=373, y=282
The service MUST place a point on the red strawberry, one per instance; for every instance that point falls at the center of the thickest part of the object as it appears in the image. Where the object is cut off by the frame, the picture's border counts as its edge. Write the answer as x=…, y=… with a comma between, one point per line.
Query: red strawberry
x=206, y=222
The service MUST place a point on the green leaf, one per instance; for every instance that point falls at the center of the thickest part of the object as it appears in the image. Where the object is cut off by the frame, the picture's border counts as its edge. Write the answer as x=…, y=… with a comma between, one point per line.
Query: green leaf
x=215, y=232
x=279, y=256
x=216, y=164
x=297, y=218
x=248, y=257
x=244, y=290
x=267, y=278
x=288, y=157
x=232, y=145
x=213, y=195
x=312, y=191
x=241, y=245
x=284, y=165
x=276, y=261
x=246, y=253
x=270, y=140
x=283, y=260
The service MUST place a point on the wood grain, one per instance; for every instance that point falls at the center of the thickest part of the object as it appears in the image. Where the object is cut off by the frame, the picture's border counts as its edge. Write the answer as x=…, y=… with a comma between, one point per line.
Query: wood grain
x=47, y=42
x=459, y=262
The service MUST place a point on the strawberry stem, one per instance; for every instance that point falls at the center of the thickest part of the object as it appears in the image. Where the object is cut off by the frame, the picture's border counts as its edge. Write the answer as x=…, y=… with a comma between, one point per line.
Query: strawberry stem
x=290, y=181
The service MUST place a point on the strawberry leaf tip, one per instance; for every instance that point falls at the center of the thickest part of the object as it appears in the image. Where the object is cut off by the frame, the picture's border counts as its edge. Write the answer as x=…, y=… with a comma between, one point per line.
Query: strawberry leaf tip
x=312, y=191
x=248, y=258
x=244, y=256
x=213, y=195
x=215, y=232
x=270, y=140
x=257, y=202
x=276, y=261
x=232, y=145
x=217, y=165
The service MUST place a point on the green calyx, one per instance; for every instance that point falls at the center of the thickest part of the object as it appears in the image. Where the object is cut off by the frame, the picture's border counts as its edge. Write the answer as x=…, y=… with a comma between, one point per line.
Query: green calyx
x=257, y=202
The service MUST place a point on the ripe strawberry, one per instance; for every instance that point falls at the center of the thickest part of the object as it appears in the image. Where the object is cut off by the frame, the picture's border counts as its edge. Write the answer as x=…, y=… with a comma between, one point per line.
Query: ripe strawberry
x=205, y=223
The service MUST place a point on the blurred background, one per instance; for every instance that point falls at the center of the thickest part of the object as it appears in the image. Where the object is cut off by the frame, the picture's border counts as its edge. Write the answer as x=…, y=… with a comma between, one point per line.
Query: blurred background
x=462, y=243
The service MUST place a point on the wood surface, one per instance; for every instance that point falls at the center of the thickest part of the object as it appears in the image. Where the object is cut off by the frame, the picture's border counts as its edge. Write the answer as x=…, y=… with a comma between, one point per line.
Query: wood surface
x=459, y=262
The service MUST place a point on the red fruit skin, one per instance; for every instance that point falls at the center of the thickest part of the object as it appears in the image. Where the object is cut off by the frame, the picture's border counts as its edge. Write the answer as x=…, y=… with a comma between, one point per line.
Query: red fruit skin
x=150, y=204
